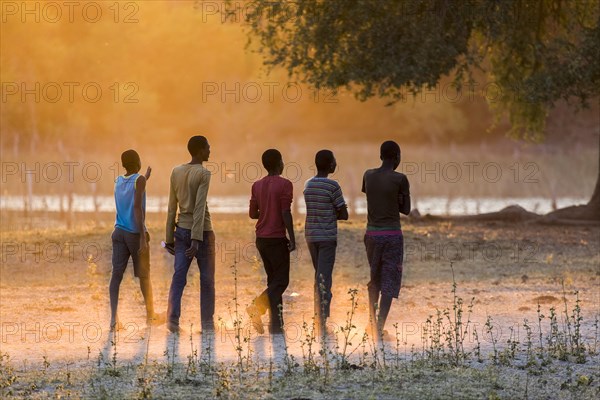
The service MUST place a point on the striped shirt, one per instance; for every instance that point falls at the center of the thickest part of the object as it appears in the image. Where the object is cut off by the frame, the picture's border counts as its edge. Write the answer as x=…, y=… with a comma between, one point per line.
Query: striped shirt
x=323, y=197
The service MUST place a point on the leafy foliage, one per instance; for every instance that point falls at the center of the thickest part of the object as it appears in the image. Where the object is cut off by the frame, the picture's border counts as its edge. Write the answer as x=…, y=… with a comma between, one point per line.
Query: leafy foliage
x=534, y=52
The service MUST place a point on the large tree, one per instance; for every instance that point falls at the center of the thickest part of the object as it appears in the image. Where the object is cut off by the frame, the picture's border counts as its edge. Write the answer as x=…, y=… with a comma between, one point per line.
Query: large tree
x=535, y=52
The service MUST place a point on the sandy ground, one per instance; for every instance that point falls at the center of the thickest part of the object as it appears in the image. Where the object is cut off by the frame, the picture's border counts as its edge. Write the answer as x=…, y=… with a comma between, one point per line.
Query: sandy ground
x=55, y=302
x=54, y=291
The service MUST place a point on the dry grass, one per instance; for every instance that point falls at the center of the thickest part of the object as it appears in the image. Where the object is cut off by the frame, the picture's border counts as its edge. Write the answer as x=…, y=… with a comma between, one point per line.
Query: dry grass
x=508, y=269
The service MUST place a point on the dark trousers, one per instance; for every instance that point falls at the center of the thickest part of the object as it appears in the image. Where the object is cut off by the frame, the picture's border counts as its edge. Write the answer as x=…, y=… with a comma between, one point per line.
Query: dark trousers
x=126, y=245
x=205, y=258
x=276, y=260
x=323, y=259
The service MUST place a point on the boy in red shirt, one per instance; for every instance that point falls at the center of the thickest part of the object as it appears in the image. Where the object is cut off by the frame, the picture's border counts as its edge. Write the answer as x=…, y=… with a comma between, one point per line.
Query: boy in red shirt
x=270, y=203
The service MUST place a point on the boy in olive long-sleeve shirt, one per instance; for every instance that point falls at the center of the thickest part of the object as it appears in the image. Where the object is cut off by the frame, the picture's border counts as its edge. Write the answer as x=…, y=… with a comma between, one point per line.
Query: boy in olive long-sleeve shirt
x=192, y=235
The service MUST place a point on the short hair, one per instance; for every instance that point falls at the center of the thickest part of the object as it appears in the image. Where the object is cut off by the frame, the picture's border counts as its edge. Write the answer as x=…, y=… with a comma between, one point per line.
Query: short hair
x=196, y=143
x=323, y=159
x=271, y=159
x=389, y=150
x=130, y=158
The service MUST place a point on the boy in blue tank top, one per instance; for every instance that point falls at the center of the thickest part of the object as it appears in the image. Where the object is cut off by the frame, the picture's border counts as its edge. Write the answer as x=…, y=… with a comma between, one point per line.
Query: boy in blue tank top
x=130, y=237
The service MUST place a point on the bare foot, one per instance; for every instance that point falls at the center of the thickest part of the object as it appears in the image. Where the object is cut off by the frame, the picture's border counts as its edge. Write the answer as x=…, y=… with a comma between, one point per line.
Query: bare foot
x=254, y=314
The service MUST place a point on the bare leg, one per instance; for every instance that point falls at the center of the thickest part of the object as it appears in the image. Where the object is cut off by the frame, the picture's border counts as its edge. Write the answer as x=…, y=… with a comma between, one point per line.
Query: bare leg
x=146, y=287
x=113, y=288
x=373, y=300
x=384, y=309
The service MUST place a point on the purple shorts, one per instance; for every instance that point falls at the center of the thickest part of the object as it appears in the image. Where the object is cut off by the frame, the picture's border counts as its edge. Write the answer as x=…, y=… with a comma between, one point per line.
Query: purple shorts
x=385, y=253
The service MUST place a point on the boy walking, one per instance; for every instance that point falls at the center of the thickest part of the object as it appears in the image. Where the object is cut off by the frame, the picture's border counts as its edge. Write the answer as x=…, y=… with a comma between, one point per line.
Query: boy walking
x=388, y=195
x=130, y=237
x=191, y=235
x=325, y=205
x=270, y=204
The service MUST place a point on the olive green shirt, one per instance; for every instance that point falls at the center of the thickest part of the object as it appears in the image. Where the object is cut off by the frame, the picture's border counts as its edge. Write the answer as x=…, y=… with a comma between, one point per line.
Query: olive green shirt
x=188, y=192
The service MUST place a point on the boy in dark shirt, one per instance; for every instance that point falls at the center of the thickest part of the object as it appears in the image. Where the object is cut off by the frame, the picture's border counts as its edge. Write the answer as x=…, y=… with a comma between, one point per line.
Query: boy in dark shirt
x=270, y=204
x=324, y=206
x=388, y=195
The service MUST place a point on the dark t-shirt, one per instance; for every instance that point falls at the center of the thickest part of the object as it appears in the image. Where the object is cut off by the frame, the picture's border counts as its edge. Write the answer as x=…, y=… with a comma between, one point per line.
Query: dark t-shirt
x=388, y=194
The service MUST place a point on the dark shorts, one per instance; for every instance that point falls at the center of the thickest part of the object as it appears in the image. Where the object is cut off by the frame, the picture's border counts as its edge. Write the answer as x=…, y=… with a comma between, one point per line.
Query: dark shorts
x=385, y=254
x=125, y=245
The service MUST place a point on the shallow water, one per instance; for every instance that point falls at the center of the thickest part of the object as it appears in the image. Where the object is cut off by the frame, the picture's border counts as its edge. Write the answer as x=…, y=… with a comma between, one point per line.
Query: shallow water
x=239, y=204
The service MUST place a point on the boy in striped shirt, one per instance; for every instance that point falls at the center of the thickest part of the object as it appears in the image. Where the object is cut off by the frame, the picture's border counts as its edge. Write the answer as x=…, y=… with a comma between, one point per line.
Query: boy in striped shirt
x=324, y=206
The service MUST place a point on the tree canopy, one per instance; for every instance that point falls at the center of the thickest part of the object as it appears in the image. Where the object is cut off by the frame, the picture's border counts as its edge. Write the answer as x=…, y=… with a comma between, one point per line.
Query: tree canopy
x=531, y=52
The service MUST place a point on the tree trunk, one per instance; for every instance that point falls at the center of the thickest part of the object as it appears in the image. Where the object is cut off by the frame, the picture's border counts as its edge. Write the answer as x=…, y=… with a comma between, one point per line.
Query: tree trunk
x=594, y=202
x=588, y=212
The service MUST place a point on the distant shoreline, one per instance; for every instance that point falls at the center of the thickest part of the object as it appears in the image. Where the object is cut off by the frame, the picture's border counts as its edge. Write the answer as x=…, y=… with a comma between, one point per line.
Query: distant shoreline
x=435, y=205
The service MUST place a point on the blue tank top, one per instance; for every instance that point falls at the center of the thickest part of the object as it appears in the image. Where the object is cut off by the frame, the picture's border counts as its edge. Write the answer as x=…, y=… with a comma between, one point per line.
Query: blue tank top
x=124, y=200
